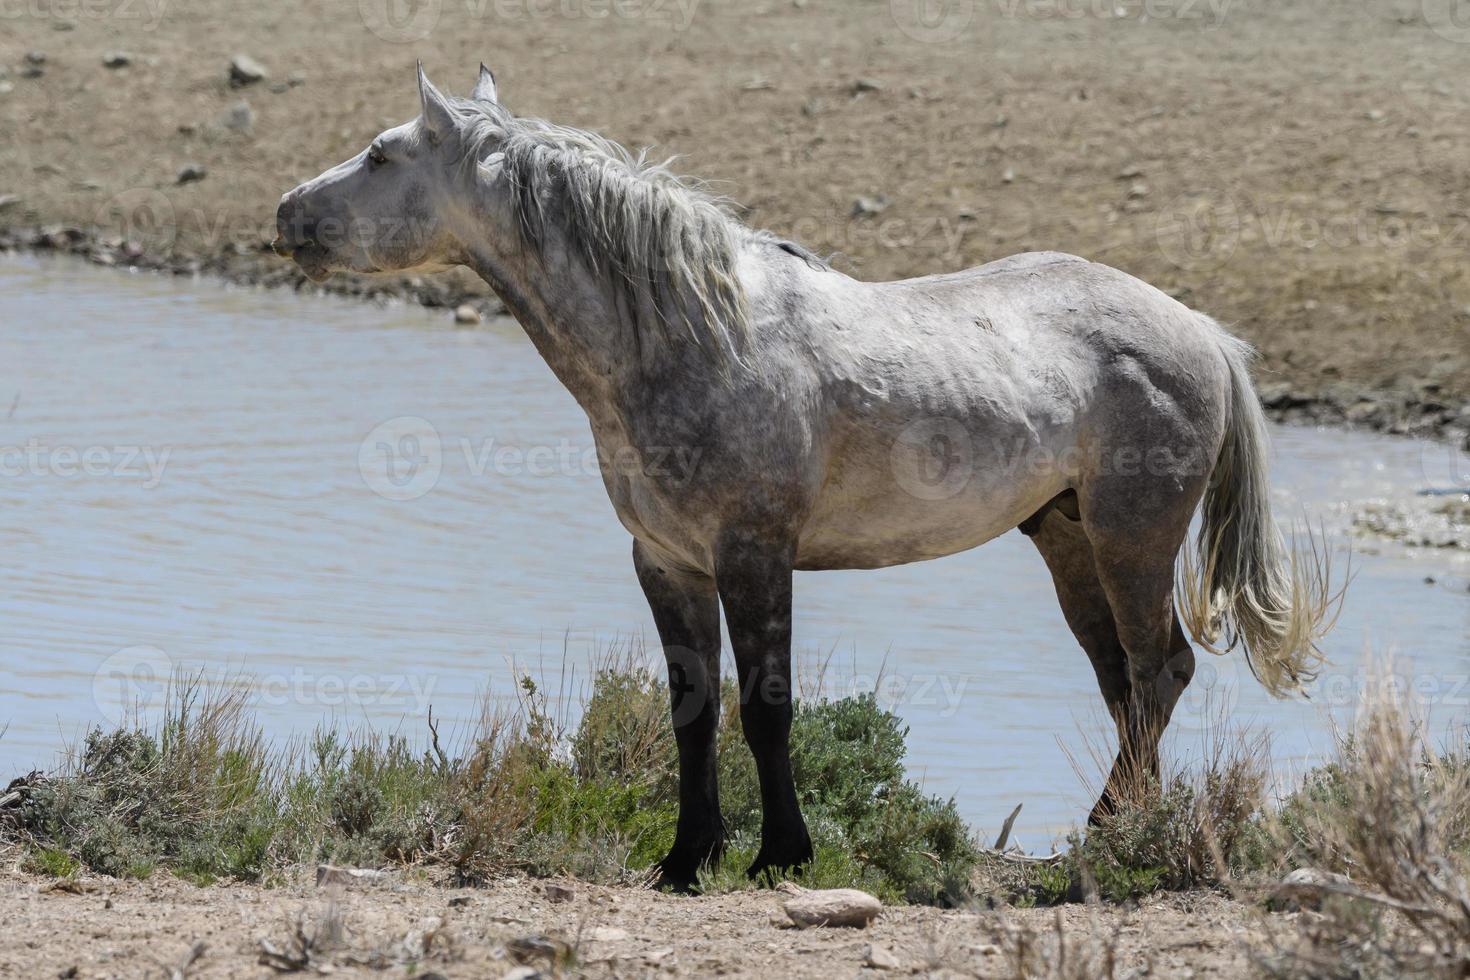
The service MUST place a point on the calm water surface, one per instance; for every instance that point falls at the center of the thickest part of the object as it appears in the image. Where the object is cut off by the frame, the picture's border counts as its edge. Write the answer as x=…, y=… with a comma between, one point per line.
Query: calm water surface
x=360, y=512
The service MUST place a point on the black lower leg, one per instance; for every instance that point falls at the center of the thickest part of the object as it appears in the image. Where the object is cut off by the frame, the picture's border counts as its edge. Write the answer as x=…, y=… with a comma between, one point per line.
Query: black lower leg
x=686, y=612
x=754, y=582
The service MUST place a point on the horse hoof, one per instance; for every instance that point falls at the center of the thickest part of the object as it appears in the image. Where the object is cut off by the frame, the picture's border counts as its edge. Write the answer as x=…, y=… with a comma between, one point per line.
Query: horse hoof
x=679, y=871
x=676, y=880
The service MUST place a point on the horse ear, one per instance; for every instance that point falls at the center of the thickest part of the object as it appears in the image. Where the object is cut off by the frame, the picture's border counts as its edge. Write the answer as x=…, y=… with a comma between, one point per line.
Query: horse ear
x=485, y=87
x=438, y=119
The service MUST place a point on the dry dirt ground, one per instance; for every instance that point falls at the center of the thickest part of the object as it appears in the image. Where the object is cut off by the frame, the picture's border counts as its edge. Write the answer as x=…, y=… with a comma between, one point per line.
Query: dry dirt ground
x=103, y=928
x=1299, y=168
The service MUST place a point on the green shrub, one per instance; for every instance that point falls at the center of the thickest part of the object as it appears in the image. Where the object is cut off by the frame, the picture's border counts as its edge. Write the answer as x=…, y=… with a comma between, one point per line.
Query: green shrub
x=201, y=795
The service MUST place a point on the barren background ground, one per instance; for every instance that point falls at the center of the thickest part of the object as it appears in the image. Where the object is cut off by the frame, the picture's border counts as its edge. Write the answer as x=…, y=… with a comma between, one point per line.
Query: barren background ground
x=135, y=929
x=1297, y=168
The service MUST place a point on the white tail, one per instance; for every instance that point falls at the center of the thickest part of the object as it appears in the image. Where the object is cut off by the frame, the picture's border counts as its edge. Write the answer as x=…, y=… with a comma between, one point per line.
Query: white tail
x=1242, y=580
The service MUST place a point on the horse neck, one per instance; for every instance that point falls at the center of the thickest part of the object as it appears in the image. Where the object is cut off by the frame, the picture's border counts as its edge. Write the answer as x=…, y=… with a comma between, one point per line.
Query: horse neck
x=566, y=312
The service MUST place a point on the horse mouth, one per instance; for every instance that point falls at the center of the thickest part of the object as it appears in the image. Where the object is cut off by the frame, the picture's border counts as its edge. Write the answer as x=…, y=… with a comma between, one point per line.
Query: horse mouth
x=310, y=257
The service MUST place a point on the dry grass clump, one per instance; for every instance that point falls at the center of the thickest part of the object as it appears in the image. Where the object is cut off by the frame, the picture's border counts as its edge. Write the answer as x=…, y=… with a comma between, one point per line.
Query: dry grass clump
x=1391, y=816
x=1060, y=953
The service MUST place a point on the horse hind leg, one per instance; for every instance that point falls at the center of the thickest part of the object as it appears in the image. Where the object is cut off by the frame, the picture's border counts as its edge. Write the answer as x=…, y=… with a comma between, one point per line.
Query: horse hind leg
x=1068, y=554
x=1136, y=533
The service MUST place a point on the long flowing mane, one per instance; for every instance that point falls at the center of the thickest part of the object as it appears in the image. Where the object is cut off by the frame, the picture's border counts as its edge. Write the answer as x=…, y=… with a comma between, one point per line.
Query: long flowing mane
x=666, y=246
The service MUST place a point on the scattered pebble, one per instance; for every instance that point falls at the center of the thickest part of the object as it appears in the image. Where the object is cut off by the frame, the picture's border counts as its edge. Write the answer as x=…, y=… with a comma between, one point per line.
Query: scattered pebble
x=245, y=70
x=238, y=117
x=35, y=57
x=466, y=314
x=554, y=891
x=867, y=85
x=116, y=59
x=1138, y=189
x=191, y=172
x=1009, y=176
x=881, y=958
x=866, y=207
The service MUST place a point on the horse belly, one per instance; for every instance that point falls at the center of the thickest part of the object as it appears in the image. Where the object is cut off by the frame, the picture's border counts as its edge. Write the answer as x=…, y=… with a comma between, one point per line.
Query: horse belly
x=894, y=520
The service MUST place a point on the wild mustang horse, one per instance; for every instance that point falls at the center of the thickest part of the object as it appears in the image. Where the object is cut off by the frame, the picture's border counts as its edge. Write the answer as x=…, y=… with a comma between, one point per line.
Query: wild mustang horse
x=845, y=424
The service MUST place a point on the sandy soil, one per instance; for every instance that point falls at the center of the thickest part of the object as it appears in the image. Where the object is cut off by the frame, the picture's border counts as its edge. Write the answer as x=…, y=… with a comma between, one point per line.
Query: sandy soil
x=403, y=927
x=1299, y=169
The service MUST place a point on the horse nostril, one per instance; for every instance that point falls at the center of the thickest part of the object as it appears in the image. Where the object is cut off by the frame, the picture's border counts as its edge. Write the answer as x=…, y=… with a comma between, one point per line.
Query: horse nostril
x=292, y=224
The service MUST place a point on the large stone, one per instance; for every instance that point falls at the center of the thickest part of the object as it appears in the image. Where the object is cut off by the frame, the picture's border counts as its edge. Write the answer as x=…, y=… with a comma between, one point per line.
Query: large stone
x=1305, y=888
x=327, y=874
x=833, y=907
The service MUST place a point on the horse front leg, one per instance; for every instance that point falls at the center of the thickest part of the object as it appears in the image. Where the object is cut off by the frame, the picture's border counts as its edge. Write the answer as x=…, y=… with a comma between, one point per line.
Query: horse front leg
x=754, y=581
x=686, y=611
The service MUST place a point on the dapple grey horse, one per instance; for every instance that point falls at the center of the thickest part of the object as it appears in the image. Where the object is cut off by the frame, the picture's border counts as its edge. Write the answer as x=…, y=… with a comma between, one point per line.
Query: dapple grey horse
x=844, y=424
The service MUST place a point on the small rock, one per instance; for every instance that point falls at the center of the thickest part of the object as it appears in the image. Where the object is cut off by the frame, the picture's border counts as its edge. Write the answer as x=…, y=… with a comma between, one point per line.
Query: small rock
x=881, y=958
x=1304, y=887
x=1009, y=175
x=1375, y=115
x=245, y=70
x=866, y=207
x=607, y=934
x=524, y=973
x=239, y=117
x=35, y=57
x=1138, y=189
x=833, y=907
x=116, y=59
x=554, y=892
x=9, y=201
x=867, y=85
x=32, y=71
x=468, y=315
x=459, y=901
x=1129, y=172
x=327, y=874
x=528, y=949
x=191, y=172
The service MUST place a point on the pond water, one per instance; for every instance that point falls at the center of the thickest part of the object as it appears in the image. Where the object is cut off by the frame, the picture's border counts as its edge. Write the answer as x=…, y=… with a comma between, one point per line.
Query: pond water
x=192, y=477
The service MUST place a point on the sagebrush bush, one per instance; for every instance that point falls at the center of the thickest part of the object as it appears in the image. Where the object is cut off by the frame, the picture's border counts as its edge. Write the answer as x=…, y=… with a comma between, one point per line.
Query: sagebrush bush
x=202, y=795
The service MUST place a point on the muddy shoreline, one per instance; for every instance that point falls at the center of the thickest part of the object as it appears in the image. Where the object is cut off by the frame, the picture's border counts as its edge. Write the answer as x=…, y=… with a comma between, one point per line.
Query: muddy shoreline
x=1423, y=409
